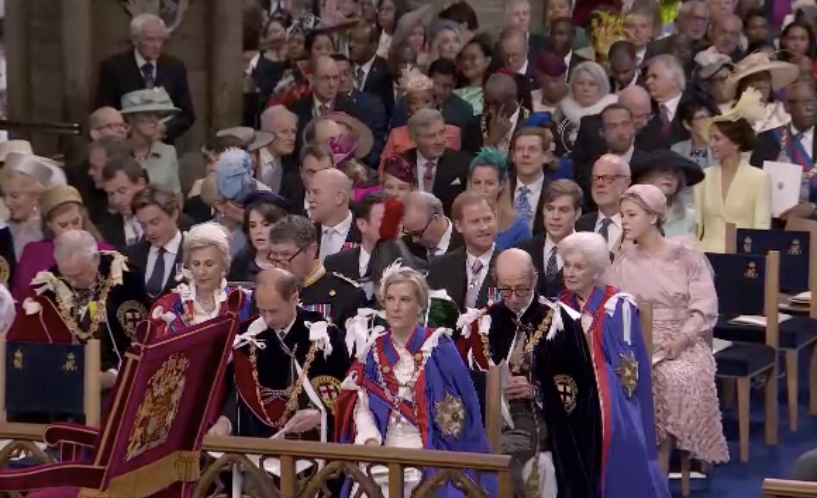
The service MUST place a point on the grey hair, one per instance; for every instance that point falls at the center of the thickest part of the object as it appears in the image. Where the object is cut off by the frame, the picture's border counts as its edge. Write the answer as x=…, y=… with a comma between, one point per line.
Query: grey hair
x=596, y=72
x=590, y=245
x=208, y=234
x=434, y=205
x=138, y=23
x=406, y=275
x=296, y=229
x=75, y=243
x=673, y=66
x=271, y=114
x=422, y=119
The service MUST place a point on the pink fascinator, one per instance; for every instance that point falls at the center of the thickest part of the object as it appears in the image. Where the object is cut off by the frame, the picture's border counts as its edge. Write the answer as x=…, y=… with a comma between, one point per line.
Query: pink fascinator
x=343, y=148
x=650, y=197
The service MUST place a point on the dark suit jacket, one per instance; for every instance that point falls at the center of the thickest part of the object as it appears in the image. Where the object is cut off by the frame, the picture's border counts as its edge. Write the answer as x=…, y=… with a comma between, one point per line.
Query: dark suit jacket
x=112, y=228
x=448, y=272
x=345, y=262
x=370, y=114
x=661, y=138
x=379, y=84
x=119, y=75
x=456, y=112
x=137, y=255
x=767, y=147
x=292, y=188
x=451, y=176
x=587, y=222
x=421, y=252
x=536, y=248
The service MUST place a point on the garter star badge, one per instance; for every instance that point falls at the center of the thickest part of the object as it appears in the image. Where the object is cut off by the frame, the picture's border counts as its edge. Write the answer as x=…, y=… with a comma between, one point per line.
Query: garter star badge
x=328, y=389
x=568, y=391
x=129, y=314
x=159, y=406
x=449, y=416
x=627, y=371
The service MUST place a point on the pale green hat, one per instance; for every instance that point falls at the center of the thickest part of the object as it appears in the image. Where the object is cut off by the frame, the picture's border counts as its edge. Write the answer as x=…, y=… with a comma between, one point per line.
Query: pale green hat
x=154, y=100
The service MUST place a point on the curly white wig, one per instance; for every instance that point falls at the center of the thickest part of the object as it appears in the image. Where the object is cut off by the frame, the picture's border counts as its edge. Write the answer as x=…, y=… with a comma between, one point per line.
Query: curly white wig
x=589, y=244
x=208, y=235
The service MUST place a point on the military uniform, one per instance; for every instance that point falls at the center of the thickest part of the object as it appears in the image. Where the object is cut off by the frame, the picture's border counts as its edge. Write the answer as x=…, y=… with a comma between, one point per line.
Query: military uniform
x=264, y=383
x=333, y=295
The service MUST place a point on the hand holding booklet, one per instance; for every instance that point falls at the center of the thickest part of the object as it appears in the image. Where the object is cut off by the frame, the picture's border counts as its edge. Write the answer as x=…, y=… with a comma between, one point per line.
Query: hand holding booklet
x=786, y=180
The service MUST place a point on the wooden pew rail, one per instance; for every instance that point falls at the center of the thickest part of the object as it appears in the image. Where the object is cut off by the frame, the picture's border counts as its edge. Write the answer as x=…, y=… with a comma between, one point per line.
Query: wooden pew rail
x=339, y=459
x=781, y=488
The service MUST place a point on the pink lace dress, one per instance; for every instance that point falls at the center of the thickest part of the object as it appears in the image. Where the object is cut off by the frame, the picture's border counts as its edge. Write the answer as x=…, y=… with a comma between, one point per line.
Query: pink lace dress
x=678, y=283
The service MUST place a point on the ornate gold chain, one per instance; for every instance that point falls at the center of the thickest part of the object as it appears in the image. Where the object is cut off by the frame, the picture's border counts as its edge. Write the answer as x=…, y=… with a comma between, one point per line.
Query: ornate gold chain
x=532, y=340
x=96, y=320
x=292, y=402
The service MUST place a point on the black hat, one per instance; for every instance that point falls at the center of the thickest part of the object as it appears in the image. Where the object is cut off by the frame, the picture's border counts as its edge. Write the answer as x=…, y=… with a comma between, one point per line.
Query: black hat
x=268, y=197
x=666, y=159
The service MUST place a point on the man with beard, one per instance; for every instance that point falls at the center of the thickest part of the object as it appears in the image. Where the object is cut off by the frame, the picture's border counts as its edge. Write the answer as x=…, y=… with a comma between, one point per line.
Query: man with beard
x=88, y=295
x=534, y=336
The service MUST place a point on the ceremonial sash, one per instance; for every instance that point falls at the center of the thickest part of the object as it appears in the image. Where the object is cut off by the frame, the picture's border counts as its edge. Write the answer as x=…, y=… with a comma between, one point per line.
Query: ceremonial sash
x=405, y=408
x=794, y=150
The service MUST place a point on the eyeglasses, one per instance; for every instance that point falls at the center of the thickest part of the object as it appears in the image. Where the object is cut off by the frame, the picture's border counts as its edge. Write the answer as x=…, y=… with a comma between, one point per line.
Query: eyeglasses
x=283, y=261
x=606, y=179
x=506, y=292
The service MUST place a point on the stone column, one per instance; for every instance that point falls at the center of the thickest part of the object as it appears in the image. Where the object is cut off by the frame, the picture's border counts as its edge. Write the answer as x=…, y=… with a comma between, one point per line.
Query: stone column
x=226, y=73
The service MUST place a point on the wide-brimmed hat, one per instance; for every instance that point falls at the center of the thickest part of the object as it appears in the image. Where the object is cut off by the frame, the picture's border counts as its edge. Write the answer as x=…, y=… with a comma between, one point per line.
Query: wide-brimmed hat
x=783, y=73
x=644, y=163
x=365, y=139
x=252, y=139
x=18, y=146
x=57, y=196
x=46, y=171
x=153, y=100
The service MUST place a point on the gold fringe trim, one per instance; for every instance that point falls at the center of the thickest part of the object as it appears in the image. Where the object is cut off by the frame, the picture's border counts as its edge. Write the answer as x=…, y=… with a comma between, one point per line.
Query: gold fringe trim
x=181, y=466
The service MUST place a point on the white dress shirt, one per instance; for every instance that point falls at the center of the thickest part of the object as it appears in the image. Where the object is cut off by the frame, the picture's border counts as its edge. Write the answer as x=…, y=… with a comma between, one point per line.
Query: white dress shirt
x=549, y=247
x=524, y=69
x=141, y=61
x=505, y=143
x=366, y=68
x=477, y=279
x=171, y=250
x=628, y=156
x=363, y=262
x=672, y=106
x=133, y=230
x=445, y=240
x=639, y=56
x=268, y=169
x=421, y=169
x=333, y=238
x=613, y=231
x=316, y=106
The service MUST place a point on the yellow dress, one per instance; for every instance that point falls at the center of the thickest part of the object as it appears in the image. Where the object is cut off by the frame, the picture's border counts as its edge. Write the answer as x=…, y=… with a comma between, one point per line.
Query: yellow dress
x=747, y=204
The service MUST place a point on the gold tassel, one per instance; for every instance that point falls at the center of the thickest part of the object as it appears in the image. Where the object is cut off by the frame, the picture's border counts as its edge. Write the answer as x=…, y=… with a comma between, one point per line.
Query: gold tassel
x=181, y=466
x=533, y=483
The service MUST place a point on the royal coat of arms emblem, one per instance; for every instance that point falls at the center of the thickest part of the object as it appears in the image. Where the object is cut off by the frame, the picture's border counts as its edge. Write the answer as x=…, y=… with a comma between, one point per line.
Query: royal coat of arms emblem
x=157, y=411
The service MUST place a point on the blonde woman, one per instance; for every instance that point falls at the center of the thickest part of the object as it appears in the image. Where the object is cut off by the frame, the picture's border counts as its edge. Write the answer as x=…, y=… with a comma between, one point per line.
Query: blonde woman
x=588, y=94
x=23, y=180
x=403, y=383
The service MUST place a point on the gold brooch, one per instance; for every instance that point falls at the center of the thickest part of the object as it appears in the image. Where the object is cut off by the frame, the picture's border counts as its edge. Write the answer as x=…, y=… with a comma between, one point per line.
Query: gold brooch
x=449, y=416
x=627, y=371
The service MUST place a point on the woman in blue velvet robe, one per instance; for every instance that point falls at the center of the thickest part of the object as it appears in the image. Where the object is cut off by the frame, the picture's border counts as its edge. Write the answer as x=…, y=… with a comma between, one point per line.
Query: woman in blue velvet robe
x=629, y=465
x=409, y=388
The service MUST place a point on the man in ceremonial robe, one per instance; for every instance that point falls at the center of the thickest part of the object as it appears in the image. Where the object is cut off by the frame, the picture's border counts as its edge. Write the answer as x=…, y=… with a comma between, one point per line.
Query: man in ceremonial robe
x=88, y=294
x=542, y=345
x=287, y=367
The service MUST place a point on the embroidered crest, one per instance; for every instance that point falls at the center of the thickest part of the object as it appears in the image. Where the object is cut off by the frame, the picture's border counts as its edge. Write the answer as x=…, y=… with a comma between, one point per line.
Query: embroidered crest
x=795, y=249
x=328, y=389
x=18, y=359
x=747, y=245
x=5, y=270
x=751, y=271
x=129, y=314
x=159, y=406
x=568, y=391
x=627, y=371
x=70, y=364
x=449, y=416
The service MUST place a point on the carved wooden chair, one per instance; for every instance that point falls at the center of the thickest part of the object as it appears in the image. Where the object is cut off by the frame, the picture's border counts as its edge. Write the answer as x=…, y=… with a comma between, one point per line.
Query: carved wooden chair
x=798, y=255
x=749, y=285
x=150, y=439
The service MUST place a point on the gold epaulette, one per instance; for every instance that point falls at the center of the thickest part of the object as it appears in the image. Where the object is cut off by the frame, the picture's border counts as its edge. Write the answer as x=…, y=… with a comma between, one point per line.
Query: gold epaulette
x=344, y=277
